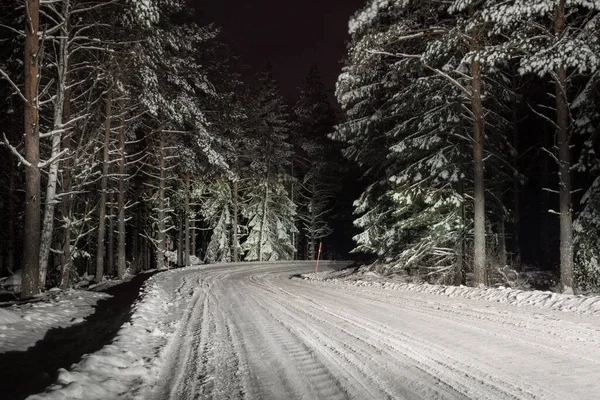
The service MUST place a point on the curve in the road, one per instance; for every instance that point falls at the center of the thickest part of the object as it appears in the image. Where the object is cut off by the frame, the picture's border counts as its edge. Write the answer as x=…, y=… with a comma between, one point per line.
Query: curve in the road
x=249, y=331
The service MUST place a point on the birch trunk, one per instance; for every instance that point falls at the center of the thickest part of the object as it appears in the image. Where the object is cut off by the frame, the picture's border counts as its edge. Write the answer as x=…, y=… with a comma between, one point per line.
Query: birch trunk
x=31, y=259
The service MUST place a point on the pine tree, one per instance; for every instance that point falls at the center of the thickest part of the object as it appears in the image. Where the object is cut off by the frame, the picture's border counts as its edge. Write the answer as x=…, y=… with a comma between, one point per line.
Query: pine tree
x=561, y=39
x=314, y=160
x=586, y=227
x=412, y=76
x=267, y=205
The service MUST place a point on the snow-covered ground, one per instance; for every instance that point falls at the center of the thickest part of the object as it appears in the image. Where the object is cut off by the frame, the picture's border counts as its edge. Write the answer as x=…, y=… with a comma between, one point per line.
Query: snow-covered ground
x=542, y=299
x=249, y=331
x=22, y=325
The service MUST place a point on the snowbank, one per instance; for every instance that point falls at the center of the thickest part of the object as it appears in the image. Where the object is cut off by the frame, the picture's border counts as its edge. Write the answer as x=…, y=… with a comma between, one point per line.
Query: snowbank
x=548, y=300
x=22, y=325
x=8, y=317
x=127, y=365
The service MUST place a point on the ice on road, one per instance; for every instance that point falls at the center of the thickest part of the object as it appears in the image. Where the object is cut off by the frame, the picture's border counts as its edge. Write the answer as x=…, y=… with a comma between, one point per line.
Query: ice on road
x=249, y=331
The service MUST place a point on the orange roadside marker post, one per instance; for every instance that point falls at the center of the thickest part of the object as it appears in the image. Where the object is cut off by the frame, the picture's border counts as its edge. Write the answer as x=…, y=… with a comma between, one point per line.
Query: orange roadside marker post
x=318, y=257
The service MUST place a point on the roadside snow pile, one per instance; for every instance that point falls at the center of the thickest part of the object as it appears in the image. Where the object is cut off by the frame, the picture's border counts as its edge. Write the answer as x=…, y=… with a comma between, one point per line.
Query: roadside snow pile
x=22, y=325
x=171, y=256
x=8, y=317
x=548, y=300
x=122, y=368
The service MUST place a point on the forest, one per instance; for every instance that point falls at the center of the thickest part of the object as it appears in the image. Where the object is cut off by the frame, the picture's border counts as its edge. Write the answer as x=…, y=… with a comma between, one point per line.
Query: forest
x=465, y=151
x=140, y=134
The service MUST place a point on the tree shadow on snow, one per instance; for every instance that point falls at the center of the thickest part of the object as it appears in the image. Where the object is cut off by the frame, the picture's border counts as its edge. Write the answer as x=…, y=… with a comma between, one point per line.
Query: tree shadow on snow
x=23, y=373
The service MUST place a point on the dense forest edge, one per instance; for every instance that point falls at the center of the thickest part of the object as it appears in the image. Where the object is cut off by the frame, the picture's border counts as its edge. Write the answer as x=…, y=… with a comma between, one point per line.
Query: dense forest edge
x=466, y=151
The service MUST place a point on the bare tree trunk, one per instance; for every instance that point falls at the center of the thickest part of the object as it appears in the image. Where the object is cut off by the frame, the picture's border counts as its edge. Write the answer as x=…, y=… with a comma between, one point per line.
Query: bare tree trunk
x=236, y=253
x=11, y=217
x=121, y=202
x=564, y=169
x=479, y=195
x=294, y=236
x=566, y=222
x=160, y=256
x=545, y=246
x=263, y=221
x=66, y=259
x=100, y=250
x=187, y=219
x=48, y=223
x=31, y=259
x=135, y=242
x=147, y=256
x=193, y=234
x=516, y=182
x=180, y=242
x=459, y=270
x=110, y=258
x=502, y=244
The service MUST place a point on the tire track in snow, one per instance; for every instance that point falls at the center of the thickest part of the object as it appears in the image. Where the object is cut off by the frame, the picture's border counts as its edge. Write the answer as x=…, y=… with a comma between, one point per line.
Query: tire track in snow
x=250, y=332
x=402, y=347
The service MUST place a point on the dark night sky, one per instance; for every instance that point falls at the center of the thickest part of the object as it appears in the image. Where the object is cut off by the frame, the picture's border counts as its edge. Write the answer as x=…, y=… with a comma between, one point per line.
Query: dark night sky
x=291, y=34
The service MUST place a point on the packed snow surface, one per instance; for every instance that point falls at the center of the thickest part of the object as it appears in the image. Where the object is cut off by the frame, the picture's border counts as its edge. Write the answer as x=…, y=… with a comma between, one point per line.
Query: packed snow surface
x=252, y=331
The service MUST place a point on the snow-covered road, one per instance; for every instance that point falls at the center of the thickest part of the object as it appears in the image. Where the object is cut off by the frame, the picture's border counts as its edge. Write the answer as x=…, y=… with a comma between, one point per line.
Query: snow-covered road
x=252, y=332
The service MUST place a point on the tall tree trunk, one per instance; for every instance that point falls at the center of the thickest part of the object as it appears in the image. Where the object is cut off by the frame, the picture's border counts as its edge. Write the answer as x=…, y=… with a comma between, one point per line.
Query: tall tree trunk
x=135, y=236
x=180, y=241
x=121, y=202
x=312, y=240
x=516, y=181
x=11, y=217
x=31, y=240
x=193, y=234
x=564, y=169
x=502, y=244
x=187, y=219
x=66, y=259
x=263, y=221
x=61, y=88
x=160, y=257
x=292, y=198
x=100, y=250
x=110, y=250
x=459, y=274
x=479, y=195
x=236, y=250
x=545, y=247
